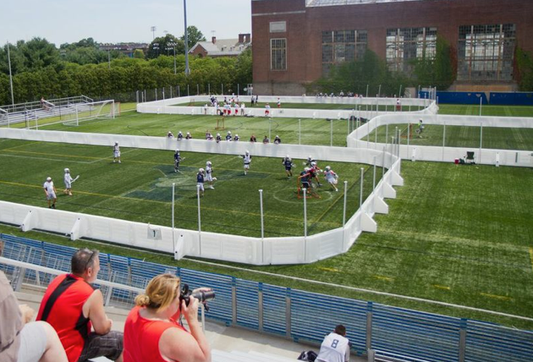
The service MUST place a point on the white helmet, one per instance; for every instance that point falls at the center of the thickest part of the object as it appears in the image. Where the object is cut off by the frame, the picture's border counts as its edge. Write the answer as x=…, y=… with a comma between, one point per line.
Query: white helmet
x=218, y=134
x=179, y=132
x=287, y=156
x=236, y=135
x=229, y=132
x=247, y=152
x=310, y=157
x=313, y=163
x=188, y=132
x=277, y=136
x=208, y=163
x=201, y=170
x=328, y=168
x=67, y=170
x=177, y=150
x=48, y=178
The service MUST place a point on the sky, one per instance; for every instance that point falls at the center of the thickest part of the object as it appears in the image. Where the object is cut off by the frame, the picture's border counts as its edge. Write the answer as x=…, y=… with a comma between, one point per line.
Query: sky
x=115, y=21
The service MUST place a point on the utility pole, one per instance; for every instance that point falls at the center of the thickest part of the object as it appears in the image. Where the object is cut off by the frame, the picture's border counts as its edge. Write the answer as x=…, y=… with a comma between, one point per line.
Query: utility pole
x=187, y=70
x=10, y=75
x=152, y=29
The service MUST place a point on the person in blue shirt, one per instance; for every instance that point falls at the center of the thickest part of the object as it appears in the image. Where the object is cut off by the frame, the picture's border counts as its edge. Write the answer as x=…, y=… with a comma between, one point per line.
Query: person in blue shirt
x=218, y=138
x=177, y=159
x=228, y=136
x=180, y=136
x=200, y=180
x=287, y=162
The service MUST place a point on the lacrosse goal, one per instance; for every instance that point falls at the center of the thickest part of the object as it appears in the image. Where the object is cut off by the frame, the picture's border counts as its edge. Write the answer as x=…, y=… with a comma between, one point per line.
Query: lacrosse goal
x=81, y=112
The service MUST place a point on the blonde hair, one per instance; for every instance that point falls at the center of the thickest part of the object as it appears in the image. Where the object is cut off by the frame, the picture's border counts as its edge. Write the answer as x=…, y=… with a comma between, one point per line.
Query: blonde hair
x=160, y=292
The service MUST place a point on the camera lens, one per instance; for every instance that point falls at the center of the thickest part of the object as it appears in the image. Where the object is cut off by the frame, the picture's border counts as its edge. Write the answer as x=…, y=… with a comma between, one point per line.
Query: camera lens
x=204, y=296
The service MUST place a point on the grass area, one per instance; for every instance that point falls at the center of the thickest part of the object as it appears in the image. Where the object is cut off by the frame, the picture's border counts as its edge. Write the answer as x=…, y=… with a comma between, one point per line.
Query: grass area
x=140, y=188
x=454, y=234
x=290, y=130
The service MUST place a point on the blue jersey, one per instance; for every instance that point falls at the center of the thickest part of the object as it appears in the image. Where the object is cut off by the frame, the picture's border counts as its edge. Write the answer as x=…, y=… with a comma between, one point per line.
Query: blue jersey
x=228, y=137
x=200, y=178
x=304, y=177
x=288, y=163
x=177, y=157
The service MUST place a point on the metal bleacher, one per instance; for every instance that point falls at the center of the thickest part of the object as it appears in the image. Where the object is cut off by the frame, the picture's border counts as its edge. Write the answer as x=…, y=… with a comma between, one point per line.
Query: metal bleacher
x=385, y=332
x=30, y=111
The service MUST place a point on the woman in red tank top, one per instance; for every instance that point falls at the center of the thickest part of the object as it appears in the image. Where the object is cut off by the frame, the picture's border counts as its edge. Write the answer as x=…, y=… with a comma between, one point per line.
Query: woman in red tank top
x=152, y=331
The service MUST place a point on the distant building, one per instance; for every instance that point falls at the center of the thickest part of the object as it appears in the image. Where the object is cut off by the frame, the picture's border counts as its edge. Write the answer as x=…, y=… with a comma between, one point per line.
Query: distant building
x=222, y=47
x=125, y=48
x=298, y=41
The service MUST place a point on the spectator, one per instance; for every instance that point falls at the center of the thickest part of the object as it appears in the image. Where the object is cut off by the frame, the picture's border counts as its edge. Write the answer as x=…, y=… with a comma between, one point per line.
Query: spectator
x=152, y=331
x=277, y=140
x=170, y=135
x=228, y=136
x=20, y=339
x=180, y=136
x=266, y=140
x=267, y=110
x=208, y=135
x=335, y=347
x=73, y=307
x=243, y=108
x=188, y=136
x=279, y=103
x=253, y=138
x=219, y=138
x=236, y=138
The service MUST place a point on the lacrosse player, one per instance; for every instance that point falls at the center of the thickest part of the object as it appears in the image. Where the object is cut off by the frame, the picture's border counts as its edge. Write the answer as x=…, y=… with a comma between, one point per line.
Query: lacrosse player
x=177, y=159
x=116, y=153
x=200, y=180
x=247, y=158
x=50, y=192
x=287, y=162
x=209, y=174
x=331, y=177
x=68, y=182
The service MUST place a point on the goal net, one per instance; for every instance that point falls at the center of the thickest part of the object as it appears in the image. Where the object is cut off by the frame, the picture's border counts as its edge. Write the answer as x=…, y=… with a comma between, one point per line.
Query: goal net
x=82, y=112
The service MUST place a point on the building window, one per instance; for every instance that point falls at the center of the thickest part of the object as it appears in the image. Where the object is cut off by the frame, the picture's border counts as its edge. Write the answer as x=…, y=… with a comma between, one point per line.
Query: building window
x=342, y=46
x=278, y=54
x=408, y=44
x=486, y=52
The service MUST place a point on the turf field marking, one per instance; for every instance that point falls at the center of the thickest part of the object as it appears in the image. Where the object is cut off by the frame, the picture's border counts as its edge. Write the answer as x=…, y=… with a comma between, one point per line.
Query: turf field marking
x=329, y=269
x=531, y=257
x=494, y=296
x=441, y=287
x=157, y=202
x=382, y=277
x=164, y=174
x=45, y=158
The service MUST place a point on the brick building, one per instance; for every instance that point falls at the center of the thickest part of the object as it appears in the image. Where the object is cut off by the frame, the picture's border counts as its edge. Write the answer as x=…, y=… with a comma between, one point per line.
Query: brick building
x=296, y=41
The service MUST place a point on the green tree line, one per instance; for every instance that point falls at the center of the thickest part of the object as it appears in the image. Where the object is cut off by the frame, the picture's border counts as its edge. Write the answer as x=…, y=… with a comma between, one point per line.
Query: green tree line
x=41, y=70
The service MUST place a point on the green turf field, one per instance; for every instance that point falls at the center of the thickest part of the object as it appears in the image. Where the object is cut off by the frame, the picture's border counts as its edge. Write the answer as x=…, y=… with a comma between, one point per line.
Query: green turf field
x=455, y=234
x=140, y=188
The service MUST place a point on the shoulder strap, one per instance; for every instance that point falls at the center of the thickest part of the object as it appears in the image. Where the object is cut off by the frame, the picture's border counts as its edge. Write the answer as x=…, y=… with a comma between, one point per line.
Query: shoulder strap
x=60, y=289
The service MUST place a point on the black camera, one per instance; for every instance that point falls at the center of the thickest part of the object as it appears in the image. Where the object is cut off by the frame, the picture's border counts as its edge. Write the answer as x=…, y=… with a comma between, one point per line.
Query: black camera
x=203, y=296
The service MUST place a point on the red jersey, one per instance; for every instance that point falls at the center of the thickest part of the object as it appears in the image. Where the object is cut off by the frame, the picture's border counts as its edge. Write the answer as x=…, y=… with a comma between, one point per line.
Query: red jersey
x=62, y=307
x=141, y=337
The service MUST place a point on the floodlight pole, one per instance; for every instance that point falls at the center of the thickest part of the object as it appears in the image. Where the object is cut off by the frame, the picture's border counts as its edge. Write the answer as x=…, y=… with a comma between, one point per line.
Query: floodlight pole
x=10, y=75
x=187, y=70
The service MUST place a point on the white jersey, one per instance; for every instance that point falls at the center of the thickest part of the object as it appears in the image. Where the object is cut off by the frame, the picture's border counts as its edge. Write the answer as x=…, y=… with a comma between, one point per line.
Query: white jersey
x=208, y=173
x=334, y=348
x=331, y=176
x=68, y=180
x=49, y=186
x=247, y=159
x=116, y=151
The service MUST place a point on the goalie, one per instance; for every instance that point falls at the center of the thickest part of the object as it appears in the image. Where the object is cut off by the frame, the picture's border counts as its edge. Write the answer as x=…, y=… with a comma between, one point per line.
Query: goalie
x=68, y=182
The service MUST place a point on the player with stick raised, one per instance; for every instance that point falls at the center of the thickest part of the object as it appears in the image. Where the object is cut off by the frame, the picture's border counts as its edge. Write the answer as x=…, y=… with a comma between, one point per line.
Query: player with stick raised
x=68, y=182
x=247, y=159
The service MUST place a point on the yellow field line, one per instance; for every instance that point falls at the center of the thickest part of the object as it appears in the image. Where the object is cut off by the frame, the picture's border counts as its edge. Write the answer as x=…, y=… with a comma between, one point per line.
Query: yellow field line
x=329, y=269
x=441, y=287
x=494, y=296
x=531, y=257
x=162, y=202
x=381, y=277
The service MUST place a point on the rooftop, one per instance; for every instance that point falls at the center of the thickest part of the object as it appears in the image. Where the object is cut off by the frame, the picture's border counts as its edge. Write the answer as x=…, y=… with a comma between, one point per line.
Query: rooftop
x=316, y=3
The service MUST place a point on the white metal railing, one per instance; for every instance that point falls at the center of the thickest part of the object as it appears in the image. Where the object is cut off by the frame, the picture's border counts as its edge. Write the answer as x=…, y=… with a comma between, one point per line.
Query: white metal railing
x=18, y=279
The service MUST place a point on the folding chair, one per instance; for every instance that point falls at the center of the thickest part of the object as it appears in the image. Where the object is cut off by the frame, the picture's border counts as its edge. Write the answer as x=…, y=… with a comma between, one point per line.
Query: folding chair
x=470, y=157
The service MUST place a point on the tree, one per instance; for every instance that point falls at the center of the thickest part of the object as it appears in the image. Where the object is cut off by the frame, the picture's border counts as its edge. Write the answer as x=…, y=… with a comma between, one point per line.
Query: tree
x=164, y=45
x=38, y=53
x=138, y=54
x=194, y=36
